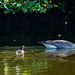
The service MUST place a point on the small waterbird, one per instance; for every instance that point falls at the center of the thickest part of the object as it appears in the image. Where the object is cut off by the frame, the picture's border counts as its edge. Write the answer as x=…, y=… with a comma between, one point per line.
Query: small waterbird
x=20, y=52
x=58, y=44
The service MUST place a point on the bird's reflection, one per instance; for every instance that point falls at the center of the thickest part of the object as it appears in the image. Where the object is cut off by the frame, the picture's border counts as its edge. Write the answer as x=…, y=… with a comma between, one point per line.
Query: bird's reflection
x=60, y=52
x=48, y=50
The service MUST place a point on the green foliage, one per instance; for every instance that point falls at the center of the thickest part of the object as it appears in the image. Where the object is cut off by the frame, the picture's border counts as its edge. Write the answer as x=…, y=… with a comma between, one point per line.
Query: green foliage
x=0, y=4
x=61, y=6
x=28, y=6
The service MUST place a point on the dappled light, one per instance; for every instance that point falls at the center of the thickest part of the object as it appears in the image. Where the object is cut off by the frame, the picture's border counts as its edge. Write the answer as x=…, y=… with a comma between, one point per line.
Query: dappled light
x=37, y=37
x=37, y=61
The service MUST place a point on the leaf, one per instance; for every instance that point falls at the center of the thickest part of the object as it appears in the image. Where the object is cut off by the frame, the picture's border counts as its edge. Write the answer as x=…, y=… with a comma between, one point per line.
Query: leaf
x=59, y=3
x=50, y=6
x=62, y=8
x=55, y=5
x=45, y=5
x=13, y=12
x=45, y=1
x=42, y=10
x=0, y=6
x=6, y=11
x=8, y=0
x=23, y=8
x=50, y=1
x=29, y=5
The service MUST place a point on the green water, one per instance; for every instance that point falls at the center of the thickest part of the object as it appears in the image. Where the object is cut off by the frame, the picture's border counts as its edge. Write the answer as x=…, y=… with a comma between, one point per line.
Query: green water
x=37, y=61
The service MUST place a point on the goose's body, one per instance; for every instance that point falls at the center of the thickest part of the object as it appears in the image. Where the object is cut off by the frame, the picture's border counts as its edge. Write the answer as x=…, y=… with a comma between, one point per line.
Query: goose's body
x=58, y=44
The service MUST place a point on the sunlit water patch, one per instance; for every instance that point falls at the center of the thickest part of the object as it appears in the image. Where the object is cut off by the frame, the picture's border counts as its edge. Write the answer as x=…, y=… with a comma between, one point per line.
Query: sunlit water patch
x=37, y=61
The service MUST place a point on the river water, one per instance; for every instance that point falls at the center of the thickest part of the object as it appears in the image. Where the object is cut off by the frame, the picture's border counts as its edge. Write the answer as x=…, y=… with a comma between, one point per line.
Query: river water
x=37, y=60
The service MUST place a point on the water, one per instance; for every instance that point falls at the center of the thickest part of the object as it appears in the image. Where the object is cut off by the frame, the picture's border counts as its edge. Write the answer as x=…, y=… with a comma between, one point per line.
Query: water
x=37, y=61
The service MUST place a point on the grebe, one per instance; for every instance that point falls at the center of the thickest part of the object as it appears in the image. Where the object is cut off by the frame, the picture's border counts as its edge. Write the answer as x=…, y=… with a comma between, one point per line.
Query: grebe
x=20, y=52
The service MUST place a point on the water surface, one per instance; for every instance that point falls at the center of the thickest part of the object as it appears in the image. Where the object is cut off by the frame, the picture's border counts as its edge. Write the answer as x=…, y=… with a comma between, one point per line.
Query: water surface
x=37, y=61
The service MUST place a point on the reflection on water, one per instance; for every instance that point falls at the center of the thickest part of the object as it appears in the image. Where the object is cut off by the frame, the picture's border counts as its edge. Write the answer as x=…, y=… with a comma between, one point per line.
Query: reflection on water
x=60, y=52
x=37, y=61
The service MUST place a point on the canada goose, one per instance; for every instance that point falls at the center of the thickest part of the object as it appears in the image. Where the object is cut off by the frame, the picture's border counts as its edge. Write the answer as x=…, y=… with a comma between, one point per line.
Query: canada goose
x=58, y=44
x=20, y=52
